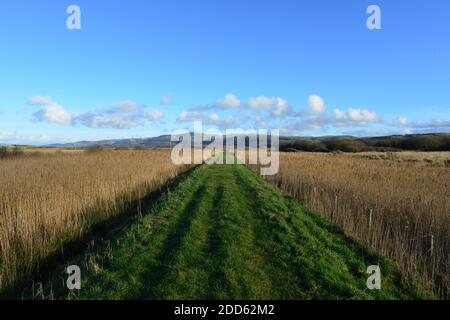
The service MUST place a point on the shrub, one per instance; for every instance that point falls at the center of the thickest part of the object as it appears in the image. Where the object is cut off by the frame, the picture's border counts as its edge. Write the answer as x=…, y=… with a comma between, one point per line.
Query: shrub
x=4, y=153
x=94, y=149
x=426, y=143
x=346, y=145
x=304, y=145
x=7, y=153
x=17, y=152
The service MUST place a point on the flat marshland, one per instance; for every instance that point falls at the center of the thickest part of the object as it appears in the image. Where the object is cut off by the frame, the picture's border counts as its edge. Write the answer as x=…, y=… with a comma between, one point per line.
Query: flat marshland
x=222, y=232
x=396, y=203
x=50, y=197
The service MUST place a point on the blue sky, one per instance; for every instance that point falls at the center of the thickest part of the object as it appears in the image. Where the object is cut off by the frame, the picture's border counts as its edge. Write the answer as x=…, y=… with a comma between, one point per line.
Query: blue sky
x=142, y=68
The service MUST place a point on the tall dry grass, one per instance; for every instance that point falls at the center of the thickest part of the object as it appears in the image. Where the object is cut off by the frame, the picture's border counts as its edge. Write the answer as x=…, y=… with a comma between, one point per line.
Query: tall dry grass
x=410, y=205
x=50, y=199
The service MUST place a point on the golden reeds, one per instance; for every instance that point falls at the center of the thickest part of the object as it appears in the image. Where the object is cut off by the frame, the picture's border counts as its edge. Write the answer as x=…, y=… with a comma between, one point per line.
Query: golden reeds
x=49, y=199
x=400, y=208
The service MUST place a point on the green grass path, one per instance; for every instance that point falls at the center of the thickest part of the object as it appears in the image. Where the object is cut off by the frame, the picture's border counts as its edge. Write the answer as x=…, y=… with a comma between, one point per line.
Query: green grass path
x=224, y=233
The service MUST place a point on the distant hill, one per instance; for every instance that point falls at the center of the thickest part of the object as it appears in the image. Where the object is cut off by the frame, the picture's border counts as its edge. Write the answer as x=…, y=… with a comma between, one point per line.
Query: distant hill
x=414, y=142
x=423, y=142
x=156, y=142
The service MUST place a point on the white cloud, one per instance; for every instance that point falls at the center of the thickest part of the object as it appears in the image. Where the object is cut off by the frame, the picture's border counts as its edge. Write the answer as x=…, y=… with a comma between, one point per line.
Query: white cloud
x=407, y=131
x=191, y=116
x=28, y=138
x=323, y=121
x=435, y=125
x=230, y=101
x=51, y=111
x=316, y=105
x=281, y=108
x=214, y=117
x=277, y=106
x=54, y=114
x=314, y=127
x=400, y=121
x=354, y=117
x=272, y=112
x=339, y=114
x=122, y=115
x=126, y=106
x=115, y=121
x=128, y=115
x=260, y=121
x=262, y=103
x=6, y=135
x=361, y=115
x=201, y=107
x=154, y=115
x=438, y=123
x=187, y=116
x=211, y=119
x=40, y=101
x=167, y=100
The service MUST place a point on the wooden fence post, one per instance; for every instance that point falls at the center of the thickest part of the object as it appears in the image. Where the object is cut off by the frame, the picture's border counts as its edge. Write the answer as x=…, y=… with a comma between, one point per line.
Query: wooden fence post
x=431, y=245
x=335, y=208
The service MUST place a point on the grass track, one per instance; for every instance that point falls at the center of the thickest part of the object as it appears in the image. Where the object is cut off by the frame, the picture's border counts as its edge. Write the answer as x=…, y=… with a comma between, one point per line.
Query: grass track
x=224, y=233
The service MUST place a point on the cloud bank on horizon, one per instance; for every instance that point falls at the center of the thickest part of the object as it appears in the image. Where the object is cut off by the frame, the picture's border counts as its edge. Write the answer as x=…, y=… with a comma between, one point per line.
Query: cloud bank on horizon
x=228, y=112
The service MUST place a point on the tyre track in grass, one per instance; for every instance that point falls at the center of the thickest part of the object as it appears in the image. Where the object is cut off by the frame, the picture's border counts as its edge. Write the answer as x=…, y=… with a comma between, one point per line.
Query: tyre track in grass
x=154, y=282
x=190, y=263
x=217, y=259
x=238, y=272
x=262, y=221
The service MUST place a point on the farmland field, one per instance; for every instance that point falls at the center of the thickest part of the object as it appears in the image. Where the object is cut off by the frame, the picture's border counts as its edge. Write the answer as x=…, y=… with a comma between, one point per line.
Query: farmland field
x=219, y=231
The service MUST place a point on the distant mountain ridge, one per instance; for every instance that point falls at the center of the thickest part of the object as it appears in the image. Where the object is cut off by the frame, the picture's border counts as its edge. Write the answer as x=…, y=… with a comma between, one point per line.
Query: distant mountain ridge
x=163, y=141
x=156, y=142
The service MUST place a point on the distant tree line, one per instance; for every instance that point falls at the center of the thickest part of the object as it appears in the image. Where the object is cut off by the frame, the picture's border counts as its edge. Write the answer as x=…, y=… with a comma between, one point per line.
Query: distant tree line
x=14, y=152
x=393, y=143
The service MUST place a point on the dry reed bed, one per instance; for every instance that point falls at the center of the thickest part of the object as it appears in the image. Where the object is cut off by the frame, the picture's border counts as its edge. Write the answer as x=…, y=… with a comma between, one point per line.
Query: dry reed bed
x=410, y=207
x=419, y=159
x=45, y=201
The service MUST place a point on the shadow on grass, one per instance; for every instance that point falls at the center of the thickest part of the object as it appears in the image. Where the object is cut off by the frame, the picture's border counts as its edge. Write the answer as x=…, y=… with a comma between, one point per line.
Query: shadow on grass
x=96, y=234
x=215, y=244
x=173, y=243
